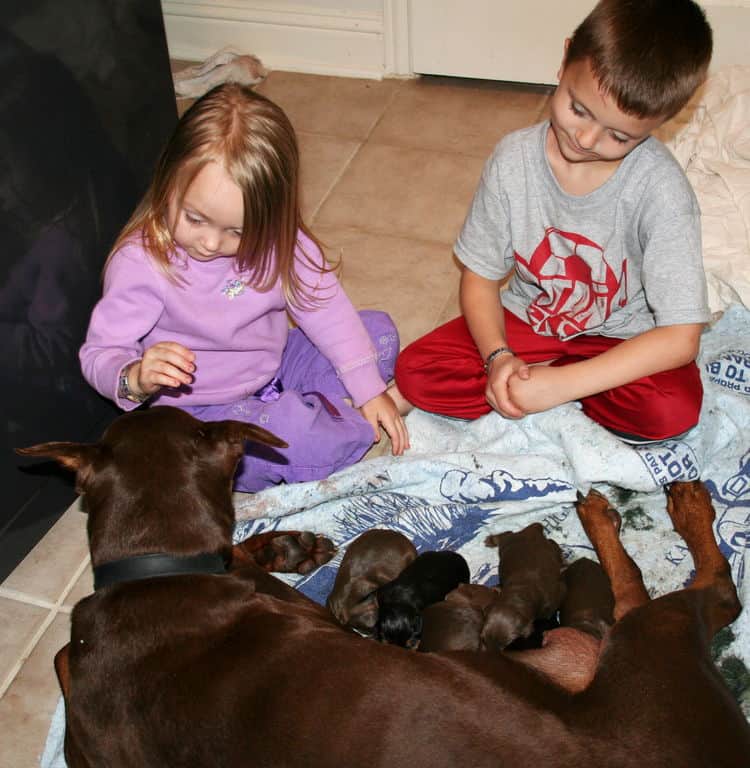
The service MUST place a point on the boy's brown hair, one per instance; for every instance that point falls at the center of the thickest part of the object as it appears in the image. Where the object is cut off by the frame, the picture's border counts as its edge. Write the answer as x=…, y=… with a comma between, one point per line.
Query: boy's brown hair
x=648, y=55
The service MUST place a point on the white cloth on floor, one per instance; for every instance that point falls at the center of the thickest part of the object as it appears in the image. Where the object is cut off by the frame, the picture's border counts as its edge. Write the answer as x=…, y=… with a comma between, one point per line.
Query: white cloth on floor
x=714, y=150
x=223, y=67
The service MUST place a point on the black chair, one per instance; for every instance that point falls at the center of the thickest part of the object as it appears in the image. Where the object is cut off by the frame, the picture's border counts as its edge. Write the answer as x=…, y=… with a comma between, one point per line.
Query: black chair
x=86, y=104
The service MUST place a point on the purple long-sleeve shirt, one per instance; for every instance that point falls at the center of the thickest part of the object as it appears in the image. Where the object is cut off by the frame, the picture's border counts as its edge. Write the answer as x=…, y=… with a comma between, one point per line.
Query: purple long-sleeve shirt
x=236, y=332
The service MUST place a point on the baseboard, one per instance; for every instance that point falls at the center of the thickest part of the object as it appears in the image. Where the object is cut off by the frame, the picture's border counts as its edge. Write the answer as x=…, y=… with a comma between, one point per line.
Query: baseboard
x=284, y=36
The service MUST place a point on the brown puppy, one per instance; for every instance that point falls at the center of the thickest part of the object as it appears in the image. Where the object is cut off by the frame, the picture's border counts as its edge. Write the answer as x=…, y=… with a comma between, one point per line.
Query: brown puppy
x=426, y=580
x=455, y=624
x=531, y=585
x=238, y=668
x=588, y=601
x=371, y=560
x=570, y=653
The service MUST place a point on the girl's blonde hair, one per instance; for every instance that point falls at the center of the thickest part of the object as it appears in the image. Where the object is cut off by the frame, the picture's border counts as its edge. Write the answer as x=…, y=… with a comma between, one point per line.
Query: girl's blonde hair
x=253, y=140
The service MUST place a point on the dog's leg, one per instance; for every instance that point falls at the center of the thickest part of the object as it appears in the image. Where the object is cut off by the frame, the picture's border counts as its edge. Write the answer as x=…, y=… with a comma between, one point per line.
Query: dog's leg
x=74, y=757
x=602, y=525
x=284, y=551
x=62, y=669
x=692, y=514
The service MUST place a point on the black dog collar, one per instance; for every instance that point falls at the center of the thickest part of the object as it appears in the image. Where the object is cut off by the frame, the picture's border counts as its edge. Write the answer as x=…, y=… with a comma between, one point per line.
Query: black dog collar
x=155, y=565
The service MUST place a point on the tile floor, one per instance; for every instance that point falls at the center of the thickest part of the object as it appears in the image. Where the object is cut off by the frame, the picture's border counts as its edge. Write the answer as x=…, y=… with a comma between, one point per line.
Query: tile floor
x=388, y=171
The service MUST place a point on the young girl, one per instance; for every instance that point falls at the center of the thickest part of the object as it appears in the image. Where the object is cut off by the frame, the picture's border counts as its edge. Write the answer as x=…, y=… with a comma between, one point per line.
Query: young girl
x=196, y=294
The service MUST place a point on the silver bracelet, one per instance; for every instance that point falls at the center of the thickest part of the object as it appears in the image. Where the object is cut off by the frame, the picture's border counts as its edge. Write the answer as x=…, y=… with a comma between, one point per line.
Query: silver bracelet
x=123, y=389
x=496, y=353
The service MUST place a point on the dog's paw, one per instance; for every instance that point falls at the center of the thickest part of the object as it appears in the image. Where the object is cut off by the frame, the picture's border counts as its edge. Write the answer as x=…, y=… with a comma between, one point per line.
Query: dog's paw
x=595, y=510
x=689, y=506
x=299, y=552
x=285, y=551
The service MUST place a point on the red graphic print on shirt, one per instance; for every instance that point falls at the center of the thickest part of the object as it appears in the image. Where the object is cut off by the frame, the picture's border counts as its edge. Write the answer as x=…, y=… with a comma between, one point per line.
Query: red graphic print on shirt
x=578, y=288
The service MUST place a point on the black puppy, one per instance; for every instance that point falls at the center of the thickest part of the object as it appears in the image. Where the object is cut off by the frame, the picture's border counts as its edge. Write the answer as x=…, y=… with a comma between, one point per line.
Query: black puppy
x=428, y=579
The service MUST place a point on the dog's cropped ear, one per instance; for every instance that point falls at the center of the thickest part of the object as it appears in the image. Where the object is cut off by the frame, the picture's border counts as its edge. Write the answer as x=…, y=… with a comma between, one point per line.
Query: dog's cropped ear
x=496, y=539
x=239, y=432
x=78, y=457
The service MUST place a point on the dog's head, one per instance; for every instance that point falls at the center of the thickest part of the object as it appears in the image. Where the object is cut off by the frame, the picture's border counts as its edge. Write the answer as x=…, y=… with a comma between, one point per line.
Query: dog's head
x=509, y=617
x=158, y=480
x=528, y=555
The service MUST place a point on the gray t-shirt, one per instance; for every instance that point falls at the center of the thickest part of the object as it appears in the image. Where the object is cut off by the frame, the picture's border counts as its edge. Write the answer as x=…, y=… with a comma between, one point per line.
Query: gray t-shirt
x=615, y=262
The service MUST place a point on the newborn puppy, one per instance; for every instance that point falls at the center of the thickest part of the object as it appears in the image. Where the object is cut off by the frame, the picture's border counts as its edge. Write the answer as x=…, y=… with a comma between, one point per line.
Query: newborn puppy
x=532, y=587
x=371, y=560
x=455, y=624
x=425, y=581
x=588, y=601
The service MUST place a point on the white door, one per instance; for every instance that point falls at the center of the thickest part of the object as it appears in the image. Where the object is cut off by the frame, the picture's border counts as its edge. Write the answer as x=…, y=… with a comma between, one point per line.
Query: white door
x=517, y=40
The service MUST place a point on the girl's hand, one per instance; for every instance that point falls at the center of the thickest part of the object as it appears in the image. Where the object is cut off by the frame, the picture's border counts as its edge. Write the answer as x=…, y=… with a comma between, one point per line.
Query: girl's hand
x=166, y=364
x=497, y=393
x=381, y=411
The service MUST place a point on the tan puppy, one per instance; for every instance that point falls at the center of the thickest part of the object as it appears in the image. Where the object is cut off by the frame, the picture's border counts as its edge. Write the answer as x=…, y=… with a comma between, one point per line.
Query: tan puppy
x=371, y=560
x=532, y=587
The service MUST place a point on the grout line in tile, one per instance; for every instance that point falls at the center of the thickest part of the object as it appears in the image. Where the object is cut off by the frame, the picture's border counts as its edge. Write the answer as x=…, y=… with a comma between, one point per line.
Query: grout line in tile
x=335, y=181
x=442, y=151
x=21, y=660
x=54, y=609
x=77, y=575
x=380, y=233
x=375, y=121
x=444, y=305
x=22, y=597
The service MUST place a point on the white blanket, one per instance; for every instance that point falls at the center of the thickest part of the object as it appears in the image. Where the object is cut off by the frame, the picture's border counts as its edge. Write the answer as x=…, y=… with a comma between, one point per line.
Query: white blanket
x=714, y=150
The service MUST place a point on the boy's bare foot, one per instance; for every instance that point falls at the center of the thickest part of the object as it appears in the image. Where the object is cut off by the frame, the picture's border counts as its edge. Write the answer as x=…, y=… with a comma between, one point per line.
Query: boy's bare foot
x=403, y=405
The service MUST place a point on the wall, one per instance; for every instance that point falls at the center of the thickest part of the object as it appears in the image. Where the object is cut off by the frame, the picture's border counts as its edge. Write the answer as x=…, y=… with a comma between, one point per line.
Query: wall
x=372, y=38
x=730, y=20
x=334, y=37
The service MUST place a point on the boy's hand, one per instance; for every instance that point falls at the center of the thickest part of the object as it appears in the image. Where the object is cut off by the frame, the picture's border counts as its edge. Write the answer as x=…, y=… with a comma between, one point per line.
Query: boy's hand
x=381, y=411
x=166, y=364
x=497, y=392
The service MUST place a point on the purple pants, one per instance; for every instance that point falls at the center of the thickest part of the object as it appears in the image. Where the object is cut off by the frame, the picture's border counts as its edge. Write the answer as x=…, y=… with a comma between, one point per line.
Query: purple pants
x=324, y=433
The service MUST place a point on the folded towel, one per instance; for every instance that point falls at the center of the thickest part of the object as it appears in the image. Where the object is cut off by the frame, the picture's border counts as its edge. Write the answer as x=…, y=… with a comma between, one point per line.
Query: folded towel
x=223, y=67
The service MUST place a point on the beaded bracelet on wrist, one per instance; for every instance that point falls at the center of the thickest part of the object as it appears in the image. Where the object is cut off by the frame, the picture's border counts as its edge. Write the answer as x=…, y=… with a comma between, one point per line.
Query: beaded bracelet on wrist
x=496, y=353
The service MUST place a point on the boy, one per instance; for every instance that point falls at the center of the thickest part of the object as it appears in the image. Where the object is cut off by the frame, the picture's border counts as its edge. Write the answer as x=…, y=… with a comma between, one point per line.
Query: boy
x=608, y=297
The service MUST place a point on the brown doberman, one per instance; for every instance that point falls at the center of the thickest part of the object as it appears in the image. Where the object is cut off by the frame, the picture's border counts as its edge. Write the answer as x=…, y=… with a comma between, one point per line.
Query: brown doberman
x=203, y=668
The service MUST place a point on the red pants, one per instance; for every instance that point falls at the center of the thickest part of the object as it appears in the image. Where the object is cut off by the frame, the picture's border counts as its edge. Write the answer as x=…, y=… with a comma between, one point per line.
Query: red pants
x=443, y=373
